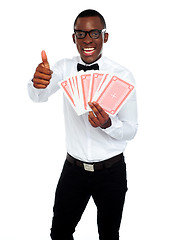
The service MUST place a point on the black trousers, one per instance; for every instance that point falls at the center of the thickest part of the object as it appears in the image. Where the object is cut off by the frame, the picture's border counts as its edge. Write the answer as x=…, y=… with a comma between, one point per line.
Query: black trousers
x=75, y=187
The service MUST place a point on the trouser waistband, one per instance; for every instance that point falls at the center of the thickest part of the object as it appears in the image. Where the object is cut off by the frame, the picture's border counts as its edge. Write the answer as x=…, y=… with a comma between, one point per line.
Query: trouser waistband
x=96, y=165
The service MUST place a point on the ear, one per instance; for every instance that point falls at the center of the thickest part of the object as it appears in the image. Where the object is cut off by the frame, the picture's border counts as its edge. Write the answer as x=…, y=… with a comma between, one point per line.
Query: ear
x=73, y=37
x=106, y=37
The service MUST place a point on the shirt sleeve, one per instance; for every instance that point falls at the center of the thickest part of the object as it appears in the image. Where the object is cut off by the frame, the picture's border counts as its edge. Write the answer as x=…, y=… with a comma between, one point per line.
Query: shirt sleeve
x=124, y=125
x=42, y=95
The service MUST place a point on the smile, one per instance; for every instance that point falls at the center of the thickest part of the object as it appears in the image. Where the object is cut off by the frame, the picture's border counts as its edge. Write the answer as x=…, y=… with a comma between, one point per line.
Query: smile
x=88, y=51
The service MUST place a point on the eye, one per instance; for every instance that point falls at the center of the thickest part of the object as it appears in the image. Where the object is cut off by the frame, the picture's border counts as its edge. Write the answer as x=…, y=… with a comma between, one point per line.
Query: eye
x=94, y=34
x=80, y=34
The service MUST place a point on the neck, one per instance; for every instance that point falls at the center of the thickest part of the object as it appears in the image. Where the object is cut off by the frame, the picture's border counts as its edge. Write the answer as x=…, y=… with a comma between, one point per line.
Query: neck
x=89, y=63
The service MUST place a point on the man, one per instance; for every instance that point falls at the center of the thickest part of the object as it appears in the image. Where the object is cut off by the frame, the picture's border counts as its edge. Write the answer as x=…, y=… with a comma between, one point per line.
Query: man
x=94, y=138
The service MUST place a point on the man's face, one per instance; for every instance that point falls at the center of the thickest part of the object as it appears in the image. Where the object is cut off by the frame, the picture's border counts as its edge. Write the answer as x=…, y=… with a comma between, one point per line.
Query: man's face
x=90, y=49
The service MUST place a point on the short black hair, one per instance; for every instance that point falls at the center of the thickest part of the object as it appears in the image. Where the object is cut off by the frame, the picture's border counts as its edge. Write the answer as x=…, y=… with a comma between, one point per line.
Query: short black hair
x=90, y=13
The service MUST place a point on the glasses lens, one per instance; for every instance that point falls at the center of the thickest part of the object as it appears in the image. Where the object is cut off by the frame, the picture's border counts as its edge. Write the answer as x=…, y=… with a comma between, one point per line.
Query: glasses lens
x=80, y=34
x=94, y=34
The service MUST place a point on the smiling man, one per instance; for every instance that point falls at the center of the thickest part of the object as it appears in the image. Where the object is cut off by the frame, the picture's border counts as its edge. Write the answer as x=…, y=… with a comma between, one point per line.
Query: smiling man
x=94, y=165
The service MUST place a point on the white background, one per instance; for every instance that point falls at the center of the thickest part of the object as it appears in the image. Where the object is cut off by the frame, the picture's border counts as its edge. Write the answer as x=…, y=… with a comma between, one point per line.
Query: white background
x=32, y=147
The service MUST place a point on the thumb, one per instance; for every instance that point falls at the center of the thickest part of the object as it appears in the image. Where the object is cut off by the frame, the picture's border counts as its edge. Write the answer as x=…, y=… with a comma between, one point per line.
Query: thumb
x=44, y=59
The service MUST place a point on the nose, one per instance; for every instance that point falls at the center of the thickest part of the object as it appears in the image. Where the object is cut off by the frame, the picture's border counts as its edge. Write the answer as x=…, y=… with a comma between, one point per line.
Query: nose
x=87, y=39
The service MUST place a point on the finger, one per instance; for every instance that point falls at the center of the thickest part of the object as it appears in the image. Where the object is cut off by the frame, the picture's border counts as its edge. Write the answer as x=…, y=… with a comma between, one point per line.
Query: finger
x=44, y=56
x=97, y=113
x=41, y=68
x=93, y=119
x=100, y=109
x=101, y=114
x=94, y=108
x=41, y=81
x=39, y=86
x=44, y=59
x=42, y=76
x=91, y=122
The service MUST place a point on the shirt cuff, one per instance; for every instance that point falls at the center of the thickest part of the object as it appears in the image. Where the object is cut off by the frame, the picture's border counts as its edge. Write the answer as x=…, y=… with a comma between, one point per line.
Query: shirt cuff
x=36, y=94
x=115, y=130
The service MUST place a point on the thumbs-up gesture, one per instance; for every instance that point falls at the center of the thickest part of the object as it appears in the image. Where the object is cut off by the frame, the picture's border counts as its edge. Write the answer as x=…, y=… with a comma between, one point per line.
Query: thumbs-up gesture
x=43, y=73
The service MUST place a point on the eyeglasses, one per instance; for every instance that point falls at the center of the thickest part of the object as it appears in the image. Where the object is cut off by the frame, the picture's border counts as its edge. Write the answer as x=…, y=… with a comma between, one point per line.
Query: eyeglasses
x=80, y=34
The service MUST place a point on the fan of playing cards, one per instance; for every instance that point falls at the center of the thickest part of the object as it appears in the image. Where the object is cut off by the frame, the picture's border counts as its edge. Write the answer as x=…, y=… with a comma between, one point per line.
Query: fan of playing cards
x=109, y=91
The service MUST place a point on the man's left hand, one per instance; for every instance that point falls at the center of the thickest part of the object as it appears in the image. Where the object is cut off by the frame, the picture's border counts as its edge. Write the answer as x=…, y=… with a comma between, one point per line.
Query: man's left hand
x=101, y=118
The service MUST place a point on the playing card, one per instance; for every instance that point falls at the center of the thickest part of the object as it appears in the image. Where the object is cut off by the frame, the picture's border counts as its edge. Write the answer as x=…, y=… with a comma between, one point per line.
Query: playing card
x=78, y=95
x=72, y=84
x=84, y=85
x=94, y=84
x=67, y=90
x=76, y=85
x=114, y=94
x=100, y=86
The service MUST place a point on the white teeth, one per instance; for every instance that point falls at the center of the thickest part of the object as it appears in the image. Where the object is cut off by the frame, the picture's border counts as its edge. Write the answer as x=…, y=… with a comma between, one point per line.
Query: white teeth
x=88, y=49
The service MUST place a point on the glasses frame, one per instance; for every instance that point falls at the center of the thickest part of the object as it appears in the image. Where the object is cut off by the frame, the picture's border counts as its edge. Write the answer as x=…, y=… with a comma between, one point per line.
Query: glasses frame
x=89, y=33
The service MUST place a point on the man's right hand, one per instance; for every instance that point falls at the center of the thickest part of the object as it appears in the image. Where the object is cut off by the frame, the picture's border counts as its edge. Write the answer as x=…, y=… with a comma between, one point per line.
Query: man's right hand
x=43, y=73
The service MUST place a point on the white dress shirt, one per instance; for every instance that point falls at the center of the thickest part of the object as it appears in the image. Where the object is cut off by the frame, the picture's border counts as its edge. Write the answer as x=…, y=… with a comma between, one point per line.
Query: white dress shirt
x=83, y=141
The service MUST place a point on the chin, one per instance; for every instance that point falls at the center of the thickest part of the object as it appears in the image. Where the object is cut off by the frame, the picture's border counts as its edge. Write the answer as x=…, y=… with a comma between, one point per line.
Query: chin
x=90, y=59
